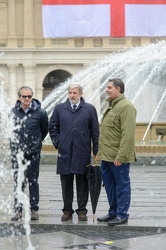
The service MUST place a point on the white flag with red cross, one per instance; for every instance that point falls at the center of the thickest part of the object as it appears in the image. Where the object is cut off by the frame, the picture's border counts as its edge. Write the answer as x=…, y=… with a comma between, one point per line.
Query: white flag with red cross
x=103, y=18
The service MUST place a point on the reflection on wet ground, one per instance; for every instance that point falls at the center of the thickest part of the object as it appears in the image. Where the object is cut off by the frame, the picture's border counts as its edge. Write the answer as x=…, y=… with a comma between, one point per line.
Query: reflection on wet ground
x=146, y=227
x=77, y=236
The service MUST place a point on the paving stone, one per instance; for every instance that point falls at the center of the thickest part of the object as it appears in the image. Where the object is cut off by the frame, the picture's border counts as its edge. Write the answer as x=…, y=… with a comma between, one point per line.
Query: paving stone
x=147, y=219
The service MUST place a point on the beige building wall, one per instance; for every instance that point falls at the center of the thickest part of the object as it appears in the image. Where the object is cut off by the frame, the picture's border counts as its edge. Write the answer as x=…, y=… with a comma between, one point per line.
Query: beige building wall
x=26, y=57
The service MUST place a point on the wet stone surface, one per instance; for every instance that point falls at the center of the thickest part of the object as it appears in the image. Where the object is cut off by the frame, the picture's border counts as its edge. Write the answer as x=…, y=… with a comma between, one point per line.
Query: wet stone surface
x=100, y=237
x=146, y=227
x=101, y=233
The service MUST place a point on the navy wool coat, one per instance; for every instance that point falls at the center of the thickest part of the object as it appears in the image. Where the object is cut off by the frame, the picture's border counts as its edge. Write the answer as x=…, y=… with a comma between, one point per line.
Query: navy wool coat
x=75, y=134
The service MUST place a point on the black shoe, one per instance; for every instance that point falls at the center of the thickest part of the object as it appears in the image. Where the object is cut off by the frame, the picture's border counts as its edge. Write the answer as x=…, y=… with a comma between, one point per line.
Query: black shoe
x=117, y=221
x=106, y=218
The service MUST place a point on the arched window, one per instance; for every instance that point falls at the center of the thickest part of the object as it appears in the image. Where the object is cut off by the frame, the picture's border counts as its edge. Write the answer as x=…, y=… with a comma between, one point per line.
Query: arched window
x=53, y=79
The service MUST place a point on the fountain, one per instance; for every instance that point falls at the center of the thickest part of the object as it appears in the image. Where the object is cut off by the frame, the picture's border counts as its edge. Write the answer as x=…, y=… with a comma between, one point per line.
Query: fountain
x=143, y=71
x=141, y=68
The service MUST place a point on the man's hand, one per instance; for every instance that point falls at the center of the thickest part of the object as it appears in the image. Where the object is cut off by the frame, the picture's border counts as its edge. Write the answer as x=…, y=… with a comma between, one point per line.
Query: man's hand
x=117, y=163
x=95, y=158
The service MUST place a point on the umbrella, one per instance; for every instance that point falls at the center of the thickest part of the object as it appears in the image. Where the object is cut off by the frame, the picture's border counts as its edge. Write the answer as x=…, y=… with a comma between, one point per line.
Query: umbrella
x=93, y=174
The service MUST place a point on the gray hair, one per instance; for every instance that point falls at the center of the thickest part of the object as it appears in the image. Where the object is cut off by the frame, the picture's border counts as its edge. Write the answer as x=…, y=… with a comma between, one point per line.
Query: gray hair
x=76, y=85
x=24, y=87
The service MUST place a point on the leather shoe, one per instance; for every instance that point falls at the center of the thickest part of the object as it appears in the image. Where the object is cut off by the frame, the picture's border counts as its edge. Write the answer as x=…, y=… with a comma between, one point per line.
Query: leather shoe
x=34, y=215
x=117, y=221
x=66, y=216
x=106, y=218
x=82, y=217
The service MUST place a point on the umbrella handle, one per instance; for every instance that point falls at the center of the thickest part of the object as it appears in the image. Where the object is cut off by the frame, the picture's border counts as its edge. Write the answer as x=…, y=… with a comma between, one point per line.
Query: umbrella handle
x=94, y=165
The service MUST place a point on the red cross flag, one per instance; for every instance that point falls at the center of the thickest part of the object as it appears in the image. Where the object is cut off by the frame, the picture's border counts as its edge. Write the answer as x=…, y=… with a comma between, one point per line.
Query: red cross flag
x=103, y=18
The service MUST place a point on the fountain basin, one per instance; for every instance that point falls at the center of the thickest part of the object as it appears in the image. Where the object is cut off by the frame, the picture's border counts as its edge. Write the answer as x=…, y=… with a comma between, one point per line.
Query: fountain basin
x=154, y=143
x=146, y=148
x=150, y=152
x=144, y=158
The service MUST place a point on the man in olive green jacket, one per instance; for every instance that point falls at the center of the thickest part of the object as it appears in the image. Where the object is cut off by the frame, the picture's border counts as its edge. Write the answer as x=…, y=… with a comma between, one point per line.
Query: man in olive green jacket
x=117, y=151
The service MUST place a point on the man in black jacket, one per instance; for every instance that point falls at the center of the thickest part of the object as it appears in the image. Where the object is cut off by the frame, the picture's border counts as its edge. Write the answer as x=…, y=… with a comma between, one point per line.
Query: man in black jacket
x=30, y=129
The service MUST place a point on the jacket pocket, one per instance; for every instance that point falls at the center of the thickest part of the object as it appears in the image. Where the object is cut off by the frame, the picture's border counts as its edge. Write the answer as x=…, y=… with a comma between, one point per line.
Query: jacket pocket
x=110, y=120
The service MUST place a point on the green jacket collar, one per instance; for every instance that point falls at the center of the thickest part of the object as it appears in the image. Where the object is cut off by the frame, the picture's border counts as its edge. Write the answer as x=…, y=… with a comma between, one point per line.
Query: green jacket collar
x=114, y=102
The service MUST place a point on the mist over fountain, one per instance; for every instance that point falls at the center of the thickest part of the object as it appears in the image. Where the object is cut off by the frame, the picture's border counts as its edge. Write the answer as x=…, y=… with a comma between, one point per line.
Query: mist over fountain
x=6, y=174
x=143, y=70
x=4, y=171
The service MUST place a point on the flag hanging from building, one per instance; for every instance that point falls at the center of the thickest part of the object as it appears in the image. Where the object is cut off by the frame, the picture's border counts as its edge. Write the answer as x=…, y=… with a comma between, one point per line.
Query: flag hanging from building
x=103, y=18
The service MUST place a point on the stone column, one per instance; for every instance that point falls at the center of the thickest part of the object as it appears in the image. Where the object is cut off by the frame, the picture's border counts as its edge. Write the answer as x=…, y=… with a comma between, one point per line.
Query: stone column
x=12, y=39
x=28, y=23
x=29, y=78
x=39, y=93
x=12, y=84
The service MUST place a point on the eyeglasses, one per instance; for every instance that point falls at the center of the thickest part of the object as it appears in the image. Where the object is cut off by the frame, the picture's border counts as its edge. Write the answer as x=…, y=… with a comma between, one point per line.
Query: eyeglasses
x=25, y=96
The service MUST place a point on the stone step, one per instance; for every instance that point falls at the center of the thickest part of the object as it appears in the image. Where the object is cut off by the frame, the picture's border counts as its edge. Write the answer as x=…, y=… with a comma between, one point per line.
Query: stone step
x=141, y=149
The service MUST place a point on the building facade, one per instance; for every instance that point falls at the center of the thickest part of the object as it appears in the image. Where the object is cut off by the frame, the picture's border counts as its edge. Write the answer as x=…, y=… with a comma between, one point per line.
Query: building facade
x=26, y=58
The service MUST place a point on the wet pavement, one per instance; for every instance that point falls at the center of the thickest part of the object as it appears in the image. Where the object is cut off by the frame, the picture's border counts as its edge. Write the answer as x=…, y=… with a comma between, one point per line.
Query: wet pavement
x=146, y=228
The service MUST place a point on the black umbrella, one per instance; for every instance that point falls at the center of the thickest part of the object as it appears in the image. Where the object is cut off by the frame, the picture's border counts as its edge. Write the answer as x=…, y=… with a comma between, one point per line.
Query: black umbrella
x=93, y=174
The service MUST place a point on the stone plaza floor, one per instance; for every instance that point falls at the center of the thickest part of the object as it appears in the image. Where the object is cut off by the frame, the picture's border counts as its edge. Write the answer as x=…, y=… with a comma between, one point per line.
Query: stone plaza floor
x=146, y=228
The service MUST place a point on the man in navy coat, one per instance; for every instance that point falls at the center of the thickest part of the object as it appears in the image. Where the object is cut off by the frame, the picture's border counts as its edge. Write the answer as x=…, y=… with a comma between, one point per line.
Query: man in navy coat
x=74, y=131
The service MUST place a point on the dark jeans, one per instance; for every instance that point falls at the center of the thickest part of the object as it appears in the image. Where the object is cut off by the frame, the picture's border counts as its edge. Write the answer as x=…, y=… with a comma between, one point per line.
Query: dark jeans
x=67, y=182
x=31, y=175
x=117, y=185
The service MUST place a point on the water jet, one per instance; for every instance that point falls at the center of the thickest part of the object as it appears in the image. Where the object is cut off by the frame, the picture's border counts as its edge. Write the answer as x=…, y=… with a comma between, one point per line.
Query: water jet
x=143, y=72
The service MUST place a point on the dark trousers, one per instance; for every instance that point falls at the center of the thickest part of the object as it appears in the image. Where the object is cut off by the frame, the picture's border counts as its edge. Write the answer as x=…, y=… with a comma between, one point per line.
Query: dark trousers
x=117, y=185
x=67, y=183
x=31, y=175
